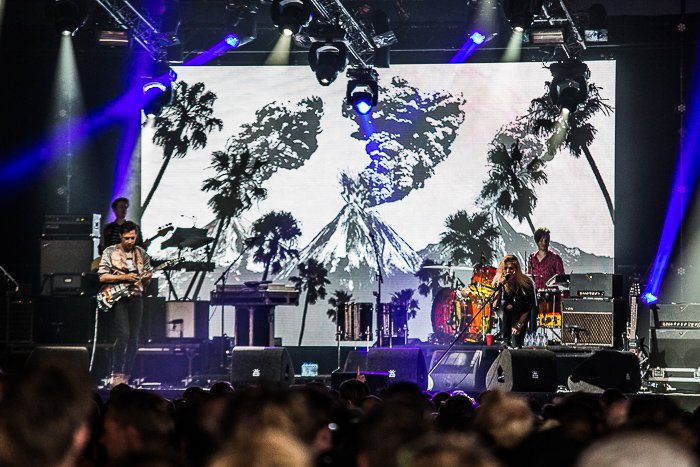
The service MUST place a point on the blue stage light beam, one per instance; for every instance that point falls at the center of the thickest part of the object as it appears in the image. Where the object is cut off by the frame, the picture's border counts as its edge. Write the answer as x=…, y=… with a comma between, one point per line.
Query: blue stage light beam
x=476, y=38
x=230, y=42
x=682, y=189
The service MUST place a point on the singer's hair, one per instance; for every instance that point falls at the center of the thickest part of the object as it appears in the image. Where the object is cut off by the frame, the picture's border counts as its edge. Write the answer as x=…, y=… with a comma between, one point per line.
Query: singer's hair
x=541, y=232
x=523, y=282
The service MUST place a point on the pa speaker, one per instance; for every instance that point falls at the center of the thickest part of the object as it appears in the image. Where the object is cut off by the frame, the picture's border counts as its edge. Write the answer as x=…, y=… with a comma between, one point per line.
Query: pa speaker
x=460, y=369
x=402, y=364
x=65, y=256
x=78, y=355
x=523, y=370
x=607, y=369
x=256, y=365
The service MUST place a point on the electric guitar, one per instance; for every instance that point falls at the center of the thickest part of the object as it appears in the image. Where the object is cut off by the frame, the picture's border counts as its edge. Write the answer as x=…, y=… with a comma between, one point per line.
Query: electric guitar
x=161, y=231
x=111, y=293
x=630, y=337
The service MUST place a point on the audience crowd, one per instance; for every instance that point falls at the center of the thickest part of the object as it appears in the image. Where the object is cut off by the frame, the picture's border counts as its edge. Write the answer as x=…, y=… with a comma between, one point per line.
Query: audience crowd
x=51, y=415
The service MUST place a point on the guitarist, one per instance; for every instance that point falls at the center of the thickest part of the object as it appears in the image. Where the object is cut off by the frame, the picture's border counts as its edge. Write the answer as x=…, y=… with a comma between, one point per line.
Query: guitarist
x=126, y=262
x=111, y=232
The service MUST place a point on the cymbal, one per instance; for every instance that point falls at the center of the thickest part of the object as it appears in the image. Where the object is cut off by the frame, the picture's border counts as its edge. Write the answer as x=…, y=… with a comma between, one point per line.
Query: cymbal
x=452, y=268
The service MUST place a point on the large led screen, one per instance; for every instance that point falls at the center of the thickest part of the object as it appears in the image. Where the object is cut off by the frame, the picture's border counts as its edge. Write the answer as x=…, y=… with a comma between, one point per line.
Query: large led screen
x=449, y=168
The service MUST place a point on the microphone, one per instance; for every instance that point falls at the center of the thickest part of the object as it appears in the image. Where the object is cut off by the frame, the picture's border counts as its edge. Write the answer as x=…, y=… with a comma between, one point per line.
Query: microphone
x=574, y=327
x=176, y=321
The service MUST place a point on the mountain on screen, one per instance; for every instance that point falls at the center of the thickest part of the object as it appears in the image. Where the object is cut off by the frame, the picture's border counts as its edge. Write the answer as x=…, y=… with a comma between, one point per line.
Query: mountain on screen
x=346, y=247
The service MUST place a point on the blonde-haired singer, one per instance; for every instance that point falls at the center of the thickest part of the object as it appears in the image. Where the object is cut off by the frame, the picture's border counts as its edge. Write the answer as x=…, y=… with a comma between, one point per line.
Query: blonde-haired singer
x=516, y=297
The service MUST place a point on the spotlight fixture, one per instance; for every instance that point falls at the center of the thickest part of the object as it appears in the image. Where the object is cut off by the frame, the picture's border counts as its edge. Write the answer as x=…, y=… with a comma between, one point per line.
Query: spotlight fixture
x=327, y=59
x=67, y=15
x=521, y=13
x=328, y=54
x=290, y=15
x=363, y=90
x=569, y=86
x=243, y=21
x=157, y=92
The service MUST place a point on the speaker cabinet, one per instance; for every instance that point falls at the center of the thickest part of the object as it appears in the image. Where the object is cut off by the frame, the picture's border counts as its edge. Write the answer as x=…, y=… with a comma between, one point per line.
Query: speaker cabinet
x=78, y=355
x=460, y=369
x=18, y=326
x=402, y=364
x=675, y=348
x=68, y=320
x=255, y=365
x=64, y=256
x=675, y=336
x=593, y=322
x=607, y=369
x=523, y=370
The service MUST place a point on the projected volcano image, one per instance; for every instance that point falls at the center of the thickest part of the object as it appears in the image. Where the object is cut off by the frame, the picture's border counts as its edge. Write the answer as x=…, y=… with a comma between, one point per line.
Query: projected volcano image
x=449, y=152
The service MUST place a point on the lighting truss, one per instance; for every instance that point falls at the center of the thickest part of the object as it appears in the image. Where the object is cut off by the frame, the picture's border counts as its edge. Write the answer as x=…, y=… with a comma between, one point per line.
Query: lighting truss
x=143, y=32
x=360, y=46
x=554, y=14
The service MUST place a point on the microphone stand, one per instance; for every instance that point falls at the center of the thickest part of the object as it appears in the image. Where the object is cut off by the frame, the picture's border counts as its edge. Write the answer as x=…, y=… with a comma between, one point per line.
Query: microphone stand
x=222, y=278
x=378, y=293
x=466, y=326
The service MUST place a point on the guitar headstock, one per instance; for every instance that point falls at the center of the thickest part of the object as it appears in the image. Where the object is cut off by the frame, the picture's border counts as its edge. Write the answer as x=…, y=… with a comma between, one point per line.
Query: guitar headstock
x=635, y=290
x=165, y=229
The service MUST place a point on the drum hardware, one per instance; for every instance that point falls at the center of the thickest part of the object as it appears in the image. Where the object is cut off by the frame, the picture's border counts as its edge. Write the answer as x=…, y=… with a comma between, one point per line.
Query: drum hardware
x=481, y=310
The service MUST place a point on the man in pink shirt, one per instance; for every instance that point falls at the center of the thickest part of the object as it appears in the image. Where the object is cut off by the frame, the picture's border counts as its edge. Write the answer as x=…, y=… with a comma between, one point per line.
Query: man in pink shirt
x=544, y=263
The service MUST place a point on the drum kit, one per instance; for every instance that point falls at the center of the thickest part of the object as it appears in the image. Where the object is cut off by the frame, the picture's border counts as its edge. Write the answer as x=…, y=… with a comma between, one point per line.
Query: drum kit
x=455, y=307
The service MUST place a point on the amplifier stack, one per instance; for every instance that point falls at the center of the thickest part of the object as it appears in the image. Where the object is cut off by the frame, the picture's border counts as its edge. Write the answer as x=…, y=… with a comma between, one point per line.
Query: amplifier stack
x=595, y=314
x=67, y=247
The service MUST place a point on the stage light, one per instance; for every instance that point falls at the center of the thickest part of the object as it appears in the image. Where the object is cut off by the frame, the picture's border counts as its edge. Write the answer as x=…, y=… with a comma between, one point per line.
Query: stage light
x=243, y=22
x=67, y=15
x=157, y=92
x=477, y=37
x=328, y=54
x=290, y=15
x=327, y=60
x=233, y=41
x=521, y=13
x=569, y=86
x=363, y=90
x=649, y=298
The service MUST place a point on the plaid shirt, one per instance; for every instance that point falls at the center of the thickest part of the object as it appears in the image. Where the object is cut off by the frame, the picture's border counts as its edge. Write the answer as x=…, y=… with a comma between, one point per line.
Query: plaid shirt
x=545, y=269
x=114, y=261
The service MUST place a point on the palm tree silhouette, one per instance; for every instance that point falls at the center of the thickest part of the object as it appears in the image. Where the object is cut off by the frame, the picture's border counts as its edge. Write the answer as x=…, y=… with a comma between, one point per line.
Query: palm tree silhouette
x=183, y=125
x=312, y=278
x=469, y=237
x=544, y=118
x=405, y=298
x=237, y=186
x=339, y=297
x=431, y=280
x=275, y=235
x=512, y=178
